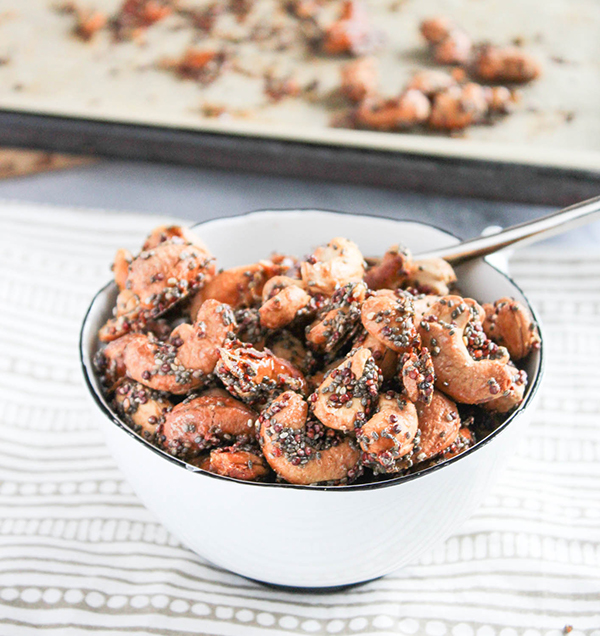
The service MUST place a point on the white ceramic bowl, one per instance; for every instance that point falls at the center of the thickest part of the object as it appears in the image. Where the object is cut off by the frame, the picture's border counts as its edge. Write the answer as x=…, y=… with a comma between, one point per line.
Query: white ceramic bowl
x=312, y=536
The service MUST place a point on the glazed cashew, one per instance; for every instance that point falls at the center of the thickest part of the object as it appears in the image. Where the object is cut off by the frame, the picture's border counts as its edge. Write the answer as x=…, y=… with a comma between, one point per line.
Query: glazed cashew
x=302, y=451
x=345, y=398
x=479, y=346
x=167, y=273
x=256, y=376
x=434, y=30
x=187, y=360
x=391, y=271
x=359, y=78
x=338, y=319
x=418, y=375
x=173, y=234
x=282, y=302
x=332, y=266
x=407, y=110
x=431, y=276
x=135, y=16
x=141, y=408
x=510, y=324
x=208, y=420
x=386, y=359
x=431, y=82
x=109, y=361
x=458, y=375
x=239, y=286
x=422, y=304
x=500, y=99
x=215, y=323
x=278, y=283
x=155, y=364
x=455, y=48
x=389, y=435
x=464, y=440
x=450, y=44
x=511, y=398
x=459, y=107
x=351, y=33
x=237, y=462
x=506, y=64
x=390, y=319
x=156, y=280
x=439, y=424
x=120, y=267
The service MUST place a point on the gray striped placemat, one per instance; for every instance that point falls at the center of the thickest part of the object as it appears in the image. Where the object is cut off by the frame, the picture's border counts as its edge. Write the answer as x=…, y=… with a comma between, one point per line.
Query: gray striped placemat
x=79, y=554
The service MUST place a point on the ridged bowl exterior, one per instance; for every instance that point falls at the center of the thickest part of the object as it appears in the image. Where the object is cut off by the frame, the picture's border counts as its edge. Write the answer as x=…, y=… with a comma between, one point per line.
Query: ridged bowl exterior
x=312, y=536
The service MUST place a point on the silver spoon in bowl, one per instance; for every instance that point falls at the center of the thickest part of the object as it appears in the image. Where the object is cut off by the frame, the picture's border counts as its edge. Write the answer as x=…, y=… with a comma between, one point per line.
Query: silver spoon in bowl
x=522, y=234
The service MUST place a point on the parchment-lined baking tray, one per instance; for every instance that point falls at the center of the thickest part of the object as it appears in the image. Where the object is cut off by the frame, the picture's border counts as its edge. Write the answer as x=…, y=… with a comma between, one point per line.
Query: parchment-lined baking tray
x=57, y=92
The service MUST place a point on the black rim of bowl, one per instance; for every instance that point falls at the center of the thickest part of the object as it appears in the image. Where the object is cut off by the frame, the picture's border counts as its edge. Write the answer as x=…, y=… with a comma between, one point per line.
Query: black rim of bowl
x=89, y=372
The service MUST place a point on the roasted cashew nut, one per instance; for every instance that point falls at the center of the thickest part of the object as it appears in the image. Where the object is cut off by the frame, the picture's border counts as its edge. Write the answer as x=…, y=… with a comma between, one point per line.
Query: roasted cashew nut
x=283, y=302
x=391, y=271
x=439, y=424
x=351, y=32
x=173, y=234
x=505, y=64
x=431, y=81
x=141, y=408
x=435, y=30
x=346, y=396
x=389, y=435
x=390, y=319
x=109, y=361
x=302, y=451
x=455, y=48
x=510, y=324
x=464, y=440
x=238, y=462
x=418, y=375
x=208, y=420
x=256, y=376
x=459, y=106
x=511, y=398
x=458, y=375
x=423, y=304
x=338, y=319
x=120, y=267
x=386, y=359
x=186, y=361
x=359, y=78
x=431, y=276
x=239, y=286
x=332, y=266
x=156, y=280
x=450, y=44
x=407, y=110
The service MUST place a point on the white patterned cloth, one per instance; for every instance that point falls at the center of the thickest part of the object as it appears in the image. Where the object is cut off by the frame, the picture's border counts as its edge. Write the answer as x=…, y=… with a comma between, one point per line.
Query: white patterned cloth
x=79, y=554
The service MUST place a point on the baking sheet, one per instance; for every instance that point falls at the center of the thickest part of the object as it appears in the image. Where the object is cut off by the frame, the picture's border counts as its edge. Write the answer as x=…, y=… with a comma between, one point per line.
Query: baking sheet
x=557, y=124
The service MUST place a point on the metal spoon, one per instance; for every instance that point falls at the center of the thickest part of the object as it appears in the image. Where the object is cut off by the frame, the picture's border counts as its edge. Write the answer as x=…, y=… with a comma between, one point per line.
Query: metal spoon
x=523, y=234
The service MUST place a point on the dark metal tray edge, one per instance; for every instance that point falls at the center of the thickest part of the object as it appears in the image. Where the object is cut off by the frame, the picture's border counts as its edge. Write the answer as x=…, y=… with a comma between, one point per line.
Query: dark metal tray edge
x=401, y=171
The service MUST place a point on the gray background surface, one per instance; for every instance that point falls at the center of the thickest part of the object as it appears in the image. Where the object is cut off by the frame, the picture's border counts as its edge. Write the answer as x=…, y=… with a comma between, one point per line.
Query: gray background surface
x=199, y=194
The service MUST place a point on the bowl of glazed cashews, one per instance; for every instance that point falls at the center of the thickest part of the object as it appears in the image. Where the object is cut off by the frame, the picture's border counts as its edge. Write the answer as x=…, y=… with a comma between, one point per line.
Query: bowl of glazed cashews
x=299, y=399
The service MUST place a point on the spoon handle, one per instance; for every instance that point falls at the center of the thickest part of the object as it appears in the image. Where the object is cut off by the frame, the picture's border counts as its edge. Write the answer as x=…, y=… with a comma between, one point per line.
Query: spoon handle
x=524, y=233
